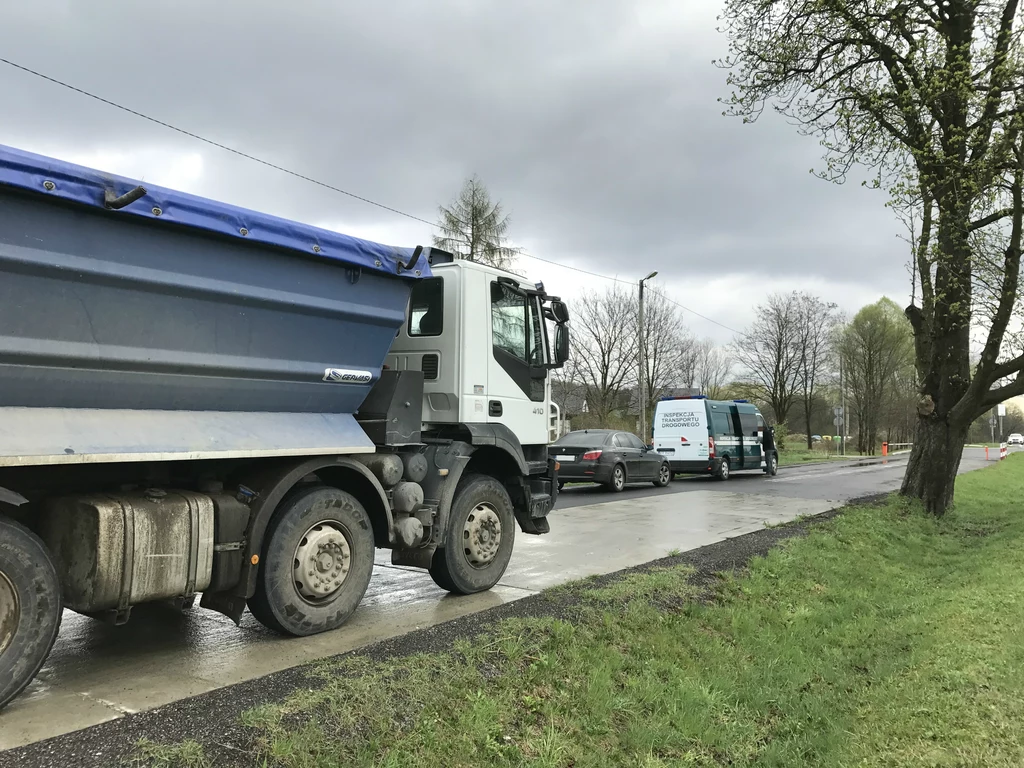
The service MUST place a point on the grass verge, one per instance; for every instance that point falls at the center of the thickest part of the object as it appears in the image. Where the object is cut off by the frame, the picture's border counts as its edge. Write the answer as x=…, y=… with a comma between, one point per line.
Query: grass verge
x=800, y=454
x=882, y=638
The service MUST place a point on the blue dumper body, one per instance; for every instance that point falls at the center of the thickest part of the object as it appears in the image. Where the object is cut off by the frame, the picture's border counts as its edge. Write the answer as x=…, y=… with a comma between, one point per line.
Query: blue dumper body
x=145, y=323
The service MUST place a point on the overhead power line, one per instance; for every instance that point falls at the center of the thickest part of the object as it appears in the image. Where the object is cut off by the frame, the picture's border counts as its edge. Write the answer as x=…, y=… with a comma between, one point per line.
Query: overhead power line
x=213, y=143
x=317, y=182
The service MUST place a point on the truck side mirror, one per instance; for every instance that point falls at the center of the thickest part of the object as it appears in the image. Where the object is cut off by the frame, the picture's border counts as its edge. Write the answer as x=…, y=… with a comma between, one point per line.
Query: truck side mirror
x=560, y=311
x=561, y=344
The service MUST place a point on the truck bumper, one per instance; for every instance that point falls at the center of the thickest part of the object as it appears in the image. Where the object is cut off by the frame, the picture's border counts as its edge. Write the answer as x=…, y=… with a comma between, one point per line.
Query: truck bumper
x=542, y=492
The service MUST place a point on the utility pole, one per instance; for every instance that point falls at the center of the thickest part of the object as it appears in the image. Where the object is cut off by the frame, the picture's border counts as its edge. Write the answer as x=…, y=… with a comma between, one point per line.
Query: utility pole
x=842, y=404
x=642, y=389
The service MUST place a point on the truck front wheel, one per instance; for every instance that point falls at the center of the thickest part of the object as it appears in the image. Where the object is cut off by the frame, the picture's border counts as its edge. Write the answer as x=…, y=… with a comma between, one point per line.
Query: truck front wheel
x=30, y=607
x=316, y=564
x=481, y=531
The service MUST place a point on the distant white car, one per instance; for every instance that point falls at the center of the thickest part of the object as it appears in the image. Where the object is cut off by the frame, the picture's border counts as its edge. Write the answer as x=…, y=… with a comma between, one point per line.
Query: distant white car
x=1015, y=439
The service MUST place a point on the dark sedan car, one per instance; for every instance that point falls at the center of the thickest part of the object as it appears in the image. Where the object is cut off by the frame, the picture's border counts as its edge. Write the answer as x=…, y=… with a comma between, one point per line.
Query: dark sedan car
x=608, y=457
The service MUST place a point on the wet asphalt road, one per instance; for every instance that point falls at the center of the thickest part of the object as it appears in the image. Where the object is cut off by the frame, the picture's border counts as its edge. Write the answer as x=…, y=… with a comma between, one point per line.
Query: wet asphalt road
x=99, y=673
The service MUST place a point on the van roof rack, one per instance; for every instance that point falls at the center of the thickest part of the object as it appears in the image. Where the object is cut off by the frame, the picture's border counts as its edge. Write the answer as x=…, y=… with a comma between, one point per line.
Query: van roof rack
x=741, y=401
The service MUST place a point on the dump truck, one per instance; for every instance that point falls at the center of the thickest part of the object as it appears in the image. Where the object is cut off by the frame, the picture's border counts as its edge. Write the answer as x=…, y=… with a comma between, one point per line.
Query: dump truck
x=203, y=401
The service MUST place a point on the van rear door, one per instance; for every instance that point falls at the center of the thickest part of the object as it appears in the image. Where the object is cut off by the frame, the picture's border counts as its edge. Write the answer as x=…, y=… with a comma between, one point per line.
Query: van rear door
x=681, y=433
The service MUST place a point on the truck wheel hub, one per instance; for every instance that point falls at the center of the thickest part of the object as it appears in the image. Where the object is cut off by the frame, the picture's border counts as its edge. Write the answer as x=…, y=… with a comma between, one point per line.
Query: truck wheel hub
x=482, y=535
x=10, y=612
x=322, y=561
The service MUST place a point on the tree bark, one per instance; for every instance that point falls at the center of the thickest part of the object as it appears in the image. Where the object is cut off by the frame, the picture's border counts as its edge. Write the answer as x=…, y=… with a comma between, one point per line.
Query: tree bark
x=934, y=462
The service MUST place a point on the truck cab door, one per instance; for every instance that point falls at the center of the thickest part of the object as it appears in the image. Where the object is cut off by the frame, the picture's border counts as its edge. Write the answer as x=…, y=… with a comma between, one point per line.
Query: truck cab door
x=517, y=381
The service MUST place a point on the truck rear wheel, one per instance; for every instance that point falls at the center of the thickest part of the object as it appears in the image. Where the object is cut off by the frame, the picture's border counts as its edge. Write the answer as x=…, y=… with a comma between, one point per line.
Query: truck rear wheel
x=30, y=607
x=481, y=532
x=316, y=563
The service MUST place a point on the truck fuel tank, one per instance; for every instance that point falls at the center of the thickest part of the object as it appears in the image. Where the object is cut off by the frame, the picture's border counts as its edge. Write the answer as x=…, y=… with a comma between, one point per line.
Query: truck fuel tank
x=115, y=551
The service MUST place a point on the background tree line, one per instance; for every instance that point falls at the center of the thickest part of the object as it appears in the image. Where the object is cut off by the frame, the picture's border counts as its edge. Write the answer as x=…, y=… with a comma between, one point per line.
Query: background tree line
x=798, y=360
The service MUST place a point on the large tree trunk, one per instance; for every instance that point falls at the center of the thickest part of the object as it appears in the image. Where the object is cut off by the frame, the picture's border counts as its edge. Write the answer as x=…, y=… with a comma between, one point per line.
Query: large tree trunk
x=938, y=437
x=934, y=462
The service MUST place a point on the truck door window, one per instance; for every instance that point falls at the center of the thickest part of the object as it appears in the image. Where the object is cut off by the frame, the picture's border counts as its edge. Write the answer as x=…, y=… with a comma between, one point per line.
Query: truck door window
x=426, y=308
x=537, y=333
x=508, y=320
x=515, y=329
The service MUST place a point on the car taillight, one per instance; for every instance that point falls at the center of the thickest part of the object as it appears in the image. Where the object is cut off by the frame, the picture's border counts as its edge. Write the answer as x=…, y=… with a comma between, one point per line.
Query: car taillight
x=592, y=455
x=711, y=447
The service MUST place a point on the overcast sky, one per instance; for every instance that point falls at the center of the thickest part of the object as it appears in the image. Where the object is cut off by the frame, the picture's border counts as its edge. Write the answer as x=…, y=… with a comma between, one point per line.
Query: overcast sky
x=595, y=123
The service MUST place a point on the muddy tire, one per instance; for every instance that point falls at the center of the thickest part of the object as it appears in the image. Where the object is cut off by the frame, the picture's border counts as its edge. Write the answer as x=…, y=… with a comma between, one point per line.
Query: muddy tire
x=30, y=607
x=481, y=532
x=316, y=562
x=771, y=465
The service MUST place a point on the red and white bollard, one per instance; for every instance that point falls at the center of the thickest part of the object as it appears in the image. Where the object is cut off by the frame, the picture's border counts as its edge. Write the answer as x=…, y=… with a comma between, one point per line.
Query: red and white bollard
x=1002, y=451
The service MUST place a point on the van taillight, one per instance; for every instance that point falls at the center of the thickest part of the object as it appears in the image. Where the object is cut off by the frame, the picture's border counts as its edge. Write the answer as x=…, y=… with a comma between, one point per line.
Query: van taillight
x=591, y=455
x=711, y=447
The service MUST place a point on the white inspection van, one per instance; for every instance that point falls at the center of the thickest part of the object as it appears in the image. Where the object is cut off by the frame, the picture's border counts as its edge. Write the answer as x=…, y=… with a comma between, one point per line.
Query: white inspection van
x=713, y=437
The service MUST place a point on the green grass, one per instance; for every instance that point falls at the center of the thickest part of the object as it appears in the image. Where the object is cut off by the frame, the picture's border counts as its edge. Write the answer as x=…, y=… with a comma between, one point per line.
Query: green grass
x=884, y=638
x=799, y=454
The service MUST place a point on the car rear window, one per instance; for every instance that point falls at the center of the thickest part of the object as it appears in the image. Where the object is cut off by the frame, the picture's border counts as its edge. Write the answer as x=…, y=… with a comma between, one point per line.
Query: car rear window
x=582, y=438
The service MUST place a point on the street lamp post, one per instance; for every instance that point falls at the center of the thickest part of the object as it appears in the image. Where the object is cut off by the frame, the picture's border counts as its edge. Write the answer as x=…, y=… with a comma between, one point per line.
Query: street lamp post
x=642, y=389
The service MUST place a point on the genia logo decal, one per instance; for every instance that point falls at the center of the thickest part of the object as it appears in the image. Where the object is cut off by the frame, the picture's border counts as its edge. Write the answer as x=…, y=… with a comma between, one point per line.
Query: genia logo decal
x=345, y=376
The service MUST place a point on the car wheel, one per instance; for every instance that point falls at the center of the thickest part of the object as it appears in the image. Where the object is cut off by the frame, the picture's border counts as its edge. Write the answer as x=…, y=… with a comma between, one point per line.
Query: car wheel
x=723, y=470
x=664, y=476
x=317, y=562
x=772, y=465
x=618, y=481
x=561, y=485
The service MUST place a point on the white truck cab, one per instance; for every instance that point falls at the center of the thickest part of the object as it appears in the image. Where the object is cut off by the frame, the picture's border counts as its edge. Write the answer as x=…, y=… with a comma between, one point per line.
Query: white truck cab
x=485, y=340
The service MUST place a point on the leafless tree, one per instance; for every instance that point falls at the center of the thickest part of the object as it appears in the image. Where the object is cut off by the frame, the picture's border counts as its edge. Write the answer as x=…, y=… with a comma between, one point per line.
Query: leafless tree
x=667, y=346
x=769, y=352
x=815, y=339
x=476, y=229
x=712, y=367
x=604, y=348
x=877, y=350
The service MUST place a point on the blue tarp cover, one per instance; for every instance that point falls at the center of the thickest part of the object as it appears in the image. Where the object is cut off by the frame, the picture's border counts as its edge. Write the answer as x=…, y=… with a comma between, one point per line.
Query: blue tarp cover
x=75, y=183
